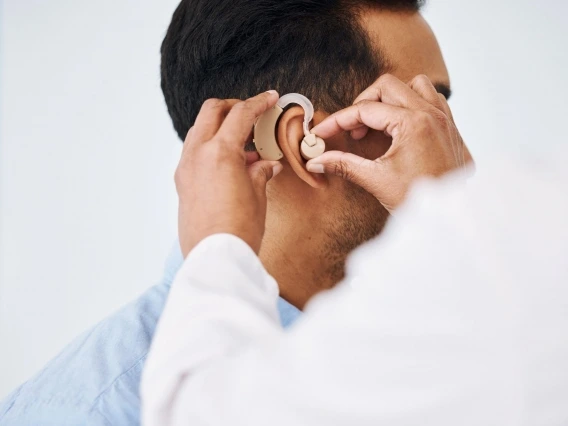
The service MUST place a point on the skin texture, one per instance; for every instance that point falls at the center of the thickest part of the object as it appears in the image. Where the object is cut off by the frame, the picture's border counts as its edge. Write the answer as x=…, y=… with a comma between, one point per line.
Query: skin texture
x=313, y=221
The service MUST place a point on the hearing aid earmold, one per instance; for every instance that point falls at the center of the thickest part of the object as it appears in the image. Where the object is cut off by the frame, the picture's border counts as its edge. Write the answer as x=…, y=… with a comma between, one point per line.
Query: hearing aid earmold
x=265, y=130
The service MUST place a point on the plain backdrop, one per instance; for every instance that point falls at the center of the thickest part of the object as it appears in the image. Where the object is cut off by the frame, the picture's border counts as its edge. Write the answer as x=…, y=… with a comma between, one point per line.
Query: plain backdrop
x=87, y=150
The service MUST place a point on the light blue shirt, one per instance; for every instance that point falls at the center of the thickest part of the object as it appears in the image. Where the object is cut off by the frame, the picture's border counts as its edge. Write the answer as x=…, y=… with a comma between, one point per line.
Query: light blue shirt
x=95, y=380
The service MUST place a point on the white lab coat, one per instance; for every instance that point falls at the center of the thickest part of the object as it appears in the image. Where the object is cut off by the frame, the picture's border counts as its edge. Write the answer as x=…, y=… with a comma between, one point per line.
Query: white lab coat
x=458, y=316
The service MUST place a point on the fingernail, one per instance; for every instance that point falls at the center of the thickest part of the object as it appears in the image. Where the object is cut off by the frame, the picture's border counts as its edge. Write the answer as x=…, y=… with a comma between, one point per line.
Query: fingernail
x=276, y=169
x=272, y=92
x=315, y=168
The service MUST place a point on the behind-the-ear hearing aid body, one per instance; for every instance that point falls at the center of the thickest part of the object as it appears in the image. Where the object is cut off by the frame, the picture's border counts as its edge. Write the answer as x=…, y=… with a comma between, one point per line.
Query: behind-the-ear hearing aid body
x=265, y=130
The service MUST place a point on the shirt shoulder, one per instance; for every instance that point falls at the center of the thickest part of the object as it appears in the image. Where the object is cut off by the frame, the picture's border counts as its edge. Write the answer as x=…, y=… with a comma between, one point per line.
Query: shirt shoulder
x=95, y=380
x=96, y=376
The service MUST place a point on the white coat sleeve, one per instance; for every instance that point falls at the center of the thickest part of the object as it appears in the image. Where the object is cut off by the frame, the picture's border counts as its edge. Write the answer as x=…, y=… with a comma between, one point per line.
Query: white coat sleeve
x=221, y=301
x=443, y=325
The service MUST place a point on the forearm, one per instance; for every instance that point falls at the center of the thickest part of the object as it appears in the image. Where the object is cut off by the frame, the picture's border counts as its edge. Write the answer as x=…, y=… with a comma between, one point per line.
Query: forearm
x=409, y=345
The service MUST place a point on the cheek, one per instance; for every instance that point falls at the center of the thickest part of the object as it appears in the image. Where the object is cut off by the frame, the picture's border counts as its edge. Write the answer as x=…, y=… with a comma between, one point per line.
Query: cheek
x=356, y=217
x=372, y=146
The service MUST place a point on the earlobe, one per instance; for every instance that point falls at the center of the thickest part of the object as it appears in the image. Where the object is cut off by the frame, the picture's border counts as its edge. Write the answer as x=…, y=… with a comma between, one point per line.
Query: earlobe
x=290, y=135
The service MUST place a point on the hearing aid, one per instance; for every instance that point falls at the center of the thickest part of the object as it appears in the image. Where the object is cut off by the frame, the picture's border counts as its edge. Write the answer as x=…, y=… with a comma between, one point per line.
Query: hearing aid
x=265, y=130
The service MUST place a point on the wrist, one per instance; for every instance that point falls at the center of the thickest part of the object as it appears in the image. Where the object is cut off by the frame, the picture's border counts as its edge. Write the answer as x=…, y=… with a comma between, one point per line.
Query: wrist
x=188, y=243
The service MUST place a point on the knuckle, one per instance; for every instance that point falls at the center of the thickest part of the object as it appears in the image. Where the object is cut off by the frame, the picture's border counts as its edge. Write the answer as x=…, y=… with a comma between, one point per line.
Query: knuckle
x=440, y=117
x=187, y=137
x=342, y=170
x=262, y=176
x=178, y=177
x=422, y=121
x=386, y=78
x=186, y=146
x=363, y=103
x=218, y=150
x=377, y=81
x=212, y=103
x=363, y=108
x=421, y=79
x=421, y=117
x=242, y=107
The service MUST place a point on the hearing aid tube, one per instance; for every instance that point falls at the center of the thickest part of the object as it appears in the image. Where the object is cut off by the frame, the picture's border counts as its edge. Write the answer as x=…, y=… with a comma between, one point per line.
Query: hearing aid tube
x=301, y=100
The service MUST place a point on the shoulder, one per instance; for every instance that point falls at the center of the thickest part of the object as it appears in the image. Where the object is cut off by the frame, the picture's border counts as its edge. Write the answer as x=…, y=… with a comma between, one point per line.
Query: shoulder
x=97, y=375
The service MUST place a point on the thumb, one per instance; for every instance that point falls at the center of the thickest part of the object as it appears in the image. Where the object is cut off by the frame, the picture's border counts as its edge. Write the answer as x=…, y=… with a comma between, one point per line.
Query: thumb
x=361, y=171
x=261, y=172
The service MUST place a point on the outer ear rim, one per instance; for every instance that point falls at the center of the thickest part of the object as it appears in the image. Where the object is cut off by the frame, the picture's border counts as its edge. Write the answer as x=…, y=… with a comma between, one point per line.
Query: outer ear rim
x=290, y=134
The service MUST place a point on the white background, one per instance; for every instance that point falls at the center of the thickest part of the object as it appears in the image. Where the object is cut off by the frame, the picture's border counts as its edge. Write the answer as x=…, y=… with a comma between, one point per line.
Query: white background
x=87, y=151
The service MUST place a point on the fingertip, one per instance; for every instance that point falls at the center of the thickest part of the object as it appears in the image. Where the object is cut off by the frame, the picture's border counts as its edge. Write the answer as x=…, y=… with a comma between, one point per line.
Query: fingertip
x=251, y=157
x=315, y=168
x=323, y=158
x=265, y=170
x=276, y=169
x=316, y=128
x=321, y=130
x=188, y=134
x=273, y=96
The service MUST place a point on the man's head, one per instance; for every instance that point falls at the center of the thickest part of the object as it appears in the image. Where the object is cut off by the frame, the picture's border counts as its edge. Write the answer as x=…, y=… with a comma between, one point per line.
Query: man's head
x=327, y=50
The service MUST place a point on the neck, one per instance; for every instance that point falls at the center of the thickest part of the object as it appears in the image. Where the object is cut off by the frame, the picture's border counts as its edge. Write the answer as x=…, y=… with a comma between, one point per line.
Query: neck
x=294, y=257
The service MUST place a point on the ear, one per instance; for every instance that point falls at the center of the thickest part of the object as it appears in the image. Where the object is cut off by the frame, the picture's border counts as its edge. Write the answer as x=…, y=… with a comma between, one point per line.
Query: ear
x=290, y=134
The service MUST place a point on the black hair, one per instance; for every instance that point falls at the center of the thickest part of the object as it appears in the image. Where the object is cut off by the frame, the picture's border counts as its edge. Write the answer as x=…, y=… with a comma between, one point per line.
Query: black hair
x=239, y=48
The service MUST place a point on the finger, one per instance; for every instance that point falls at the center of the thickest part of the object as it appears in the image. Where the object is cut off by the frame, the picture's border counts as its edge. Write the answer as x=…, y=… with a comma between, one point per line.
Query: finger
x=376, y=115
x=260, y=173
x=359, y=170
x=392, y=91
x=359, y=133
x=187, y=141
x=468, y=159
x=424, y=87
x=210, y=118
x=445, y=106
x=251, y=157
x=186, y=148
x=237, y=127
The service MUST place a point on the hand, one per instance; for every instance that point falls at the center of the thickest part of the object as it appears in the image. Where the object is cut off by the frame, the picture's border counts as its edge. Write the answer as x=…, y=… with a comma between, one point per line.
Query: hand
x=425, y=140
x=221, y=188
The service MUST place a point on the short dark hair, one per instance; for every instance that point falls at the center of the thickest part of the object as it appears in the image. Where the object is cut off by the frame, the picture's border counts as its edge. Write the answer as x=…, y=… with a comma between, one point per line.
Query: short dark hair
x=238, y=48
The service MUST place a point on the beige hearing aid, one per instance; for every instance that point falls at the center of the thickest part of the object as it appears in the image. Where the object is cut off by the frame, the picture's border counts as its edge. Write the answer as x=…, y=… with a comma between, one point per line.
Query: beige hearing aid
x=265, y=130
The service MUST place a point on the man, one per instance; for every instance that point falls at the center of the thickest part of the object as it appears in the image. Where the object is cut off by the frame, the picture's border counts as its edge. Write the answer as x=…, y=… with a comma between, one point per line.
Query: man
x=327, y=50
x=458, y=315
